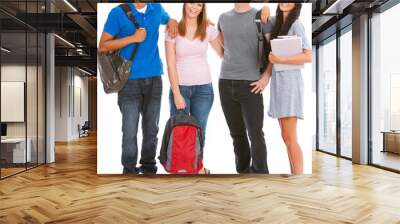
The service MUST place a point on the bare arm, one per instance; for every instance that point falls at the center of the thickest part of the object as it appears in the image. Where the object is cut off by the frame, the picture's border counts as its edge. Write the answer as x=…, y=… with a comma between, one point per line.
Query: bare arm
x=108, y=43
x=170, y=51
x=171, y=65
x=172, y=28
x=265, y=12
x=262, y=83
x=217, y=45
x=268, y=71
x=305, y=57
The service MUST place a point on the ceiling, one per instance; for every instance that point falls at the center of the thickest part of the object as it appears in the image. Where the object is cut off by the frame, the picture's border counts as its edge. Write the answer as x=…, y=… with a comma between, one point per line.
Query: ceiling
x=72, y=20
x=331, y=15
x=75, y=21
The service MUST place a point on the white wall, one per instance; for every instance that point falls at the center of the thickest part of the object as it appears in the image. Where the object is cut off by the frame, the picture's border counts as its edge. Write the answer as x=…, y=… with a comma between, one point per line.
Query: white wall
x=33, y=127
x=17, y=73
x=69, y=85
x=14, y=73
x=80, y=103
x=61, y=105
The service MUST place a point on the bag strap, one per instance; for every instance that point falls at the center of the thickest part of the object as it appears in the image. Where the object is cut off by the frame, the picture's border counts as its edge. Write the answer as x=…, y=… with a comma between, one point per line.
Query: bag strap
x=132, y=18
x=182, y=112
x=260, y=37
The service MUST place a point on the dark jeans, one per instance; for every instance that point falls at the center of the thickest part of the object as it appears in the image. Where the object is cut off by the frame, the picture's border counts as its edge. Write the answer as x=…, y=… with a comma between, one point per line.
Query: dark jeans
x=199, y=100
x=140, y=97
x=244, y=114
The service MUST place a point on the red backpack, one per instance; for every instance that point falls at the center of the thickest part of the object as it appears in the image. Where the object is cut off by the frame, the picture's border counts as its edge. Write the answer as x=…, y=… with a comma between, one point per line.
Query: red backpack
x=181, y=149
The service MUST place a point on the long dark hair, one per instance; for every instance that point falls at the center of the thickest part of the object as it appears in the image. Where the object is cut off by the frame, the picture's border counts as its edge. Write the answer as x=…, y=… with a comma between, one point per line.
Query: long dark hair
x=282, y=28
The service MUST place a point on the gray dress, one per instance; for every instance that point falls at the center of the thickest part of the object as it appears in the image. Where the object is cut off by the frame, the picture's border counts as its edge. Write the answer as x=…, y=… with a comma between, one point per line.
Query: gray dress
x=287, y=87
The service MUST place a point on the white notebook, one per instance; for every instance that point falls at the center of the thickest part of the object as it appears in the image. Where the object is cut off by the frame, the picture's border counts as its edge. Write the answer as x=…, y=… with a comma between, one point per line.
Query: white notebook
x=287, y=46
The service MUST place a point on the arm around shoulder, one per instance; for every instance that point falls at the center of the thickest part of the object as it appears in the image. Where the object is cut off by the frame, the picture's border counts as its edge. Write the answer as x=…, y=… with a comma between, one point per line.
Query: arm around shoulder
x=216, y=40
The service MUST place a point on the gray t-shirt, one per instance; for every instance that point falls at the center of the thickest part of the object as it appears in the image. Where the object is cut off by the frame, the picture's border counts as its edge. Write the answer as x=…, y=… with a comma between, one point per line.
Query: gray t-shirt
x=240, y=45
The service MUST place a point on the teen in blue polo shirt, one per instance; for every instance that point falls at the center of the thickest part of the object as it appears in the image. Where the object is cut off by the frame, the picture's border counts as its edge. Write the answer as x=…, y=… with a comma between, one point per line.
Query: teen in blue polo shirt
x=142, y=93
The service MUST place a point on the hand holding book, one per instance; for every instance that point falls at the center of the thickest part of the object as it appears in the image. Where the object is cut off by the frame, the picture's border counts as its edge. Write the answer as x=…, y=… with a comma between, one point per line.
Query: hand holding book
x=285, y=46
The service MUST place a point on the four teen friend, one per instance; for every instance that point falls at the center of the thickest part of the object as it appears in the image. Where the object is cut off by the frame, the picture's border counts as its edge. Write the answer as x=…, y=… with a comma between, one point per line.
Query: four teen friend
x=240, y=84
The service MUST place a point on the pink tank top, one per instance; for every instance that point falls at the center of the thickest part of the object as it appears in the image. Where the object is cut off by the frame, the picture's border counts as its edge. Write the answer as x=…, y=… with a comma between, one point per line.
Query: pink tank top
x=191, y=58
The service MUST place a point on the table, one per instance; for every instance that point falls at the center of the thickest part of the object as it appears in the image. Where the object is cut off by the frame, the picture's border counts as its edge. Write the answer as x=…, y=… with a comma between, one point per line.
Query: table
x=13, y=150
x=391, y=141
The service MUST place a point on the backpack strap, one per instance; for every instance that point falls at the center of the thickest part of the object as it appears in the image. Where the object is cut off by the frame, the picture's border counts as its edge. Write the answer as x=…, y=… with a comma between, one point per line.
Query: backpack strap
x=128, y=12
x=260, y=37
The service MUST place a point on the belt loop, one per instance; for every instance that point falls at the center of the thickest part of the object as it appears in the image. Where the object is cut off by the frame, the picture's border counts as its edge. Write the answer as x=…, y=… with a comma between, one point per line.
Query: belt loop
x=232, y=86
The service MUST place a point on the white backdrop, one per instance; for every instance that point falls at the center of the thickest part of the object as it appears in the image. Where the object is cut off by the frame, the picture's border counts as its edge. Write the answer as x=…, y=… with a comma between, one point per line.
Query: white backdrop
x=218, y=152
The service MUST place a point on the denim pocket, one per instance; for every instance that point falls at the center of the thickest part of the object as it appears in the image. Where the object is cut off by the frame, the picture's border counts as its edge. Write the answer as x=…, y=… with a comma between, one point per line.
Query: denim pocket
x=206, y=89
x=131, y=91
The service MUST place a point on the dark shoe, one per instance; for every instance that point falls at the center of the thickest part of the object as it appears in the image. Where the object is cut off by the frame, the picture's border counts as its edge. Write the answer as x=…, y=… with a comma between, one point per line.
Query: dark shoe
x=148, y=170
x=134, y=171
x=286, y=175
x=205, y=171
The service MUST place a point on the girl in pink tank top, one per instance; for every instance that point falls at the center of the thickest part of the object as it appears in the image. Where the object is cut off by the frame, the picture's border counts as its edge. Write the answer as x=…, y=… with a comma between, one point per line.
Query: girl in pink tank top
x=188, y=69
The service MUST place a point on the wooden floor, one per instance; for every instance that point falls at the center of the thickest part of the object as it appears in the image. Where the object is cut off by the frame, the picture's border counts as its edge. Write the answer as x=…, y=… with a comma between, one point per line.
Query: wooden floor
x=70, y=191
x=5, y=172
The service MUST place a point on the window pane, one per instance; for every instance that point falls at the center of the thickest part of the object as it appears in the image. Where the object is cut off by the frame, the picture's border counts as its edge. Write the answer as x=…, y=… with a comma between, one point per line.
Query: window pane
x=31, y=100
x=14, y=153
x=386, y=89
x=41, y=99
x=346, y=93
x=327, y=97
x=23, y=87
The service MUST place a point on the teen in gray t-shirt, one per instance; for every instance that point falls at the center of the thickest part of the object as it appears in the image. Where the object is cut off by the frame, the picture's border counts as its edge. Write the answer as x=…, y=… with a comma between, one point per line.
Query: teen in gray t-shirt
x=243, y=109
x=240, y=60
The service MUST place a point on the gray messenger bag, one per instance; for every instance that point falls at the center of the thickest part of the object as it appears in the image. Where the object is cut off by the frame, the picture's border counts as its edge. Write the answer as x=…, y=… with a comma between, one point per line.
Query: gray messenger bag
x=114, y=69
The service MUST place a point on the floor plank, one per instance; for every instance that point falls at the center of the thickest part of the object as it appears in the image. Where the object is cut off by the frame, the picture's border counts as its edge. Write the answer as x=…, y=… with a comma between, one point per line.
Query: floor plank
x=70, y=191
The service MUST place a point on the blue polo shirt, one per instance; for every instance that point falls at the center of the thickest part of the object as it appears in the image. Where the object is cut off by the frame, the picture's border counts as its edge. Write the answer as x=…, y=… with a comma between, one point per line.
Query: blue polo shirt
x=147, y=62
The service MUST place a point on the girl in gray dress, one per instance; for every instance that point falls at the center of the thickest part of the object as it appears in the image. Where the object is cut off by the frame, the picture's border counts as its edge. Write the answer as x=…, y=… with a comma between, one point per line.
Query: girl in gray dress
x=287, y=87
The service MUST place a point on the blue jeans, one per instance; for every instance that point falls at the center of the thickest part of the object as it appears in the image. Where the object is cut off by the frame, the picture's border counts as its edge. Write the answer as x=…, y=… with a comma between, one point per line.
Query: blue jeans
x=199, y=100
x=140, y=97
